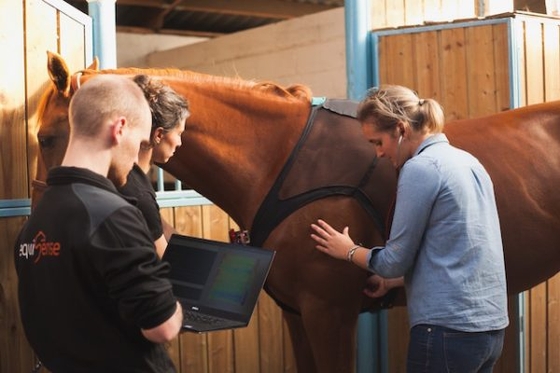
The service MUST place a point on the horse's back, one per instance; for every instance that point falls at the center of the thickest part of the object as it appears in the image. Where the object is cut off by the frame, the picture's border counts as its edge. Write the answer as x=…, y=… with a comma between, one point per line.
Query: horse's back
x=521, y=151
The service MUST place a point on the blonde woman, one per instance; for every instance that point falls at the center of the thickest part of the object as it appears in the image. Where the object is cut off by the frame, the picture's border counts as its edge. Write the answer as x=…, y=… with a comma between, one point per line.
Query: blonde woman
x=444, y=246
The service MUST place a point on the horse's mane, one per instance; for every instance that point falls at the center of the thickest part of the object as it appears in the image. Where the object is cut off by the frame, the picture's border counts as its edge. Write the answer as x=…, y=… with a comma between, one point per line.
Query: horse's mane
x=298, y=92
x=295, y=91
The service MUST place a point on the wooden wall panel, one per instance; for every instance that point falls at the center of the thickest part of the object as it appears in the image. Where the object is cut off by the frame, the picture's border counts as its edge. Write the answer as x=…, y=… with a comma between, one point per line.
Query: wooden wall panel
x=540, y=80
x=551, y=47
x=413, y=13
x=271, y=336
x=13, y=167
x=72, y=43
x=534, y=74
x=398, y=13
x=481, y=70
x=27, y=29
x=536, y=332
x=246, y=346
x=15, y=353
x=473, y=79
x=551, y=57
x=394, y=12
x=553, y=330
x=395, y=54
x=173, y=348
x=436, y=63
x=427, y=68
x=453, y=85
x=397, y=319
x=502, y=87
x=391, y=13
x=215, y=226
x=38, y=40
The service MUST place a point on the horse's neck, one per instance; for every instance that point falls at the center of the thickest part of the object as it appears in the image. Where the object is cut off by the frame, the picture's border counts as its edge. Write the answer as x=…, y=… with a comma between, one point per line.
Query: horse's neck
x=234, y=147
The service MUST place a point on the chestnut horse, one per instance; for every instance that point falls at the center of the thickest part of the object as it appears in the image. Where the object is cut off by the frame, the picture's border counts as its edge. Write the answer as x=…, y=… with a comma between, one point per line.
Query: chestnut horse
x=275, y=162
x=236, y=145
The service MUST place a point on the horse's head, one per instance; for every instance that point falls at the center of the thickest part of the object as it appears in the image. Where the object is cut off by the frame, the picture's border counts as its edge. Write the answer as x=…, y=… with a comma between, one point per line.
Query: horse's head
x=54, y=127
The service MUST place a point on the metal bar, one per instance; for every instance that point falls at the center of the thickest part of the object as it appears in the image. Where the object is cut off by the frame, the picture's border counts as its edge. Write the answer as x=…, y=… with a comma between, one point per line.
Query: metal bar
x=515, y=33
x=371, y=326
x=357, y=27
x=15, y=207
x=181, y=198
x=103, y=15
x=438, y=27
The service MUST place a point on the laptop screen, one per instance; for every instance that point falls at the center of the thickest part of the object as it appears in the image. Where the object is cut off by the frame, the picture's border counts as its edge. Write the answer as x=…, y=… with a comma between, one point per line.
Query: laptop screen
x=216, y=277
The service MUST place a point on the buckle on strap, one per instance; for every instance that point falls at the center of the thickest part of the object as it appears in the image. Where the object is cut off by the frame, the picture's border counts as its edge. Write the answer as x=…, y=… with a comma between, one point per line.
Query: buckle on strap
x=239, y=237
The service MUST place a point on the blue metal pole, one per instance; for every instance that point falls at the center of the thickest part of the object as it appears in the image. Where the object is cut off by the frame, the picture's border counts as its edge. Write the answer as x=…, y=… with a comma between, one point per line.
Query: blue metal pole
x=357, y=26
x=515, y=30
x=103, y=15
x=372, y=328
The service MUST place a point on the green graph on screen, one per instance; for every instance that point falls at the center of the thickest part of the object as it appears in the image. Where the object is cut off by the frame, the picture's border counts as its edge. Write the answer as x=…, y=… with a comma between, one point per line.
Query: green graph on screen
x=233, y=280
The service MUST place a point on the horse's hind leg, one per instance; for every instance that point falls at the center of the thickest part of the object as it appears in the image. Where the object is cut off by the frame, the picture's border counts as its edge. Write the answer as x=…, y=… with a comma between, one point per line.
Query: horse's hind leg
x=302, y=349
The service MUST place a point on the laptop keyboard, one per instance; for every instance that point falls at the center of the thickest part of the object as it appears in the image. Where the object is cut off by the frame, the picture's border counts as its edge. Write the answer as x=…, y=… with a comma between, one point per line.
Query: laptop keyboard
x=195, y=318
x=204, y=319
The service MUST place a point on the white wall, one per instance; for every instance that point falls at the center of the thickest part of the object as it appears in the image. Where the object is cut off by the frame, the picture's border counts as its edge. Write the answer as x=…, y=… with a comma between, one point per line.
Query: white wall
x=309, y=50
x=132, y=49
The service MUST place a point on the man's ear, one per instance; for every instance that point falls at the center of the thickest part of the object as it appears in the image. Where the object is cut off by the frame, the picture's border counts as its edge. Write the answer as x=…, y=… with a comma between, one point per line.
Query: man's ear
x=117, y=130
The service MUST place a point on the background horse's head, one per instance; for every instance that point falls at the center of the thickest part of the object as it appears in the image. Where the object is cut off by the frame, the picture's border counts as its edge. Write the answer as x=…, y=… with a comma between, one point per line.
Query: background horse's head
x=54, y=128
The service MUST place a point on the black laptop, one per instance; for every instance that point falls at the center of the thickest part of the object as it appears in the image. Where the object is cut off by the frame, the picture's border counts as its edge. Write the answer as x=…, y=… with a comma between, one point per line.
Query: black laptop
x=217, y=283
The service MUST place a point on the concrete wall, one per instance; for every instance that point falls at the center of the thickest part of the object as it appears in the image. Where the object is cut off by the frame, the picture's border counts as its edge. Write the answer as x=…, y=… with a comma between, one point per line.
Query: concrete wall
x=309, y=50
x=132, y=49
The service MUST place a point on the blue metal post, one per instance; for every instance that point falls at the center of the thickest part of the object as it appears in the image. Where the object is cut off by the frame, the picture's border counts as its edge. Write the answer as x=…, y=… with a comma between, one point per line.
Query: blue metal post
x=103, y=15
x=372, y=328
x=357, y=26
x=515, y=33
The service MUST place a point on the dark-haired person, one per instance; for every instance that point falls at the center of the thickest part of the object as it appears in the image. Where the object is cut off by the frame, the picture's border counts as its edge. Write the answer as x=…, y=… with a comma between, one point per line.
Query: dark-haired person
x=169, y=113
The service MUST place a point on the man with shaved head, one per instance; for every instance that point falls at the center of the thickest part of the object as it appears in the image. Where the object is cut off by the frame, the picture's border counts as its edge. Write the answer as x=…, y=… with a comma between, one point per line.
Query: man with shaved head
x=93, y=294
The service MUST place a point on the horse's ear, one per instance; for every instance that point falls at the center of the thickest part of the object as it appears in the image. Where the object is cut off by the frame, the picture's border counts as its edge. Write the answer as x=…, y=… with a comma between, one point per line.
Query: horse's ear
x=300, y=91
x=58, y=72
x=94, y=65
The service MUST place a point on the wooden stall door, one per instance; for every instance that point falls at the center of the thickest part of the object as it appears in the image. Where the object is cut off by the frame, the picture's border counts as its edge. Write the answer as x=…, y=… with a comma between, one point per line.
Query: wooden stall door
x=466, y=68
x=539, y=72
x=27, y=30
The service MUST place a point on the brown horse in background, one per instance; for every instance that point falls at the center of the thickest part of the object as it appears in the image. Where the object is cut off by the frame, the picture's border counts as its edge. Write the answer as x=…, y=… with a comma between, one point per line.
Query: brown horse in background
x=250, y=148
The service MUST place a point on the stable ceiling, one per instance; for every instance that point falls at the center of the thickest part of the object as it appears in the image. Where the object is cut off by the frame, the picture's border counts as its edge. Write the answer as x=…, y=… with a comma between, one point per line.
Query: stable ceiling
x=208, y=18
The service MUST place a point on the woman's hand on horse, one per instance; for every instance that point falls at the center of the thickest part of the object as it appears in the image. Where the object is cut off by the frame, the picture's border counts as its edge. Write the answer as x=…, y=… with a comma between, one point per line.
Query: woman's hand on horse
x=377, y=286
x=330, y=241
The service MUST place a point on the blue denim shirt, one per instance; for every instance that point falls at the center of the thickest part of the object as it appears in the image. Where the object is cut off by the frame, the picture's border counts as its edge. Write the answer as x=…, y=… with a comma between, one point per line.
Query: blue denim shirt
x=445, y=239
